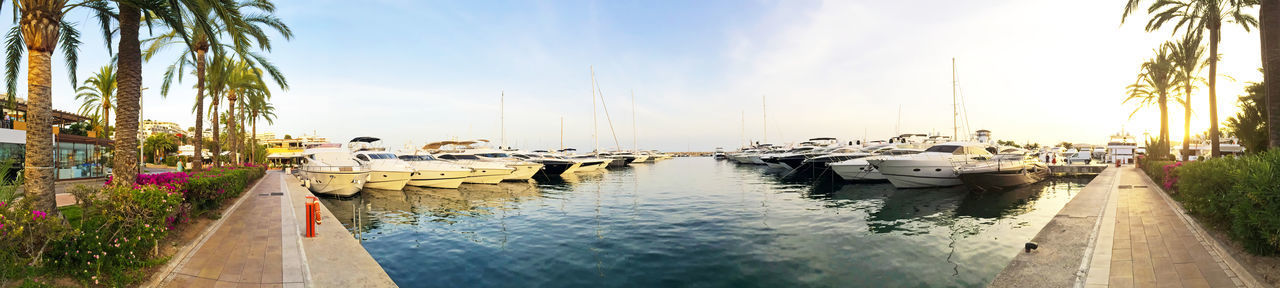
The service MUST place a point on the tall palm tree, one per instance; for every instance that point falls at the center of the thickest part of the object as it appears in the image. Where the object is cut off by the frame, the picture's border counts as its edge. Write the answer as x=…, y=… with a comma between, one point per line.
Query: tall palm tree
x=39, y=31
x=1188, y=57
x=1199, y=16
x=259, y=107
x=224, y=20
x=1269, y=25
x=1156, y=78
x=98, y=96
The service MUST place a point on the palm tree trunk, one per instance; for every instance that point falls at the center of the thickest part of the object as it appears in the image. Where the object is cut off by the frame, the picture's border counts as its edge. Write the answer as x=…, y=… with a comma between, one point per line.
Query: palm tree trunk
x=1186, y=123
x=217, y=121
x=40, y=27
x=1213, y=91
x=231, y=128
x=197, y=159
x=1269, y=25
x=1164, y=126
x=129, y=82
x=253, y=145
x=39, y=169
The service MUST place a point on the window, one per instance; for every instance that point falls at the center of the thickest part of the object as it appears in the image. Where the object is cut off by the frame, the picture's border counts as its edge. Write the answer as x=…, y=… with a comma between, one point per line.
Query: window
x=943, y=149
x=362, y=157
x=382, y=156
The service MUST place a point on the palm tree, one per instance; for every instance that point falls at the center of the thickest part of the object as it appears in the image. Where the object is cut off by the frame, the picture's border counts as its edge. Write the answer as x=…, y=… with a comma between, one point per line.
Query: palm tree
x=259, y=107
x=39, y=31
x=1199, y=16
x=1269, y=25
x=1187, y=56
x=98, y=96
x=222, y=19
x=1156, y=78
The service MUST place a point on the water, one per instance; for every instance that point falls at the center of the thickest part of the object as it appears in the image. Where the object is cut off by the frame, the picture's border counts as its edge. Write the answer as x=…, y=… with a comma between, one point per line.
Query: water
x=697, y=222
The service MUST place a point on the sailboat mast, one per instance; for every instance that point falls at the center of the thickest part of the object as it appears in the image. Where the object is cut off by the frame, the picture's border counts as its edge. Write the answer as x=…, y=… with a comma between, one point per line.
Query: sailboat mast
x=634, y=147
x=595, y=127
x=561, y=132
x=955, y=109
x=765, y=114
x=502, y=119
x=744, y=128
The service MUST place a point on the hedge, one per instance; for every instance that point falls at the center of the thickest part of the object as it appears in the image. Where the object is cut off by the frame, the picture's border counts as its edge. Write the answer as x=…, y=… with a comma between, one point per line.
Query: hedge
x=1240, y=195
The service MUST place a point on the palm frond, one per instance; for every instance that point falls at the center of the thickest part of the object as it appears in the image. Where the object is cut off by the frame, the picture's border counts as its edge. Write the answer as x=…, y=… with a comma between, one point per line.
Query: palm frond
x=69, y=40
x=14, y=49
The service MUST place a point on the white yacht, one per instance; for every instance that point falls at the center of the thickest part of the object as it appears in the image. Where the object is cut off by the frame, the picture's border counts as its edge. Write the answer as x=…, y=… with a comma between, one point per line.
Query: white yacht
x=859, y=170
x=935, y=167
x=523, y=170
x=482, y=172
x=331, y=170
x=386, y=172
x=435, y=173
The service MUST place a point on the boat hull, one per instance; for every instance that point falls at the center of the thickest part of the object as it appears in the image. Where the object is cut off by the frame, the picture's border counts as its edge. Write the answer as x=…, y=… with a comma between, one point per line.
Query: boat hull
x=439, y=179
x=522, y=172
x=857, y=172
x=555, y=169
x=487, y=175
x=335, y=183
x=919, y=173
x=991, y=182
x=388, y=180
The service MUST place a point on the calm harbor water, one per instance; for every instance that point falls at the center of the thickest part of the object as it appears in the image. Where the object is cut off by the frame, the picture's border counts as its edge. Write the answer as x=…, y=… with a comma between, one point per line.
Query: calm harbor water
x=697, y=222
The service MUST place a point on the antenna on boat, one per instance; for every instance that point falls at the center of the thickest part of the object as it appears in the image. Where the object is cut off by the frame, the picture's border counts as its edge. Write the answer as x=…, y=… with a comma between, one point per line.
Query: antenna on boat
x=561, y=132
x=897, y=128
x=744, y=128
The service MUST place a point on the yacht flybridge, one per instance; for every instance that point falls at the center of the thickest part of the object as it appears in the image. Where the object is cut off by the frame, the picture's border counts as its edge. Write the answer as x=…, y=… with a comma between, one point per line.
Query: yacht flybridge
x=331, y=170
x=386, y=172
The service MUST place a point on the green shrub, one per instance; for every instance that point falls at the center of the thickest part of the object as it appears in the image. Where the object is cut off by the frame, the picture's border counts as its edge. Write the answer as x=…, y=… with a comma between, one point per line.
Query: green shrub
x=117, y=234
x=206, y=189
x=1154, y=168
x=1241, y=195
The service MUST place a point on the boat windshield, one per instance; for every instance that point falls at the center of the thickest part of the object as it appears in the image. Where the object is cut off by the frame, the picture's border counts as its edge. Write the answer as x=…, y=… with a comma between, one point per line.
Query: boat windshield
x=459, y=157
x=494, y=155
x=382, y=156
x=417, y=157
x=943, y=148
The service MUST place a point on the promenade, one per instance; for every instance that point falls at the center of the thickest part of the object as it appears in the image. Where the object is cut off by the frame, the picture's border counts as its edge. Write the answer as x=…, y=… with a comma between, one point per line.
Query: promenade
x=1123, y=231
x=258, y=243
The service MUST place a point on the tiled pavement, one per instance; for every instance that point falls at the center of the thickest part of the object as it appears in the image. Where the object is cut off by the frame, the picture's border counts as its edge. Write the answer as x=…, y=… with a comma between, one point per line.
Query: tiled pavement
x=249, y=248
x=1143, y=242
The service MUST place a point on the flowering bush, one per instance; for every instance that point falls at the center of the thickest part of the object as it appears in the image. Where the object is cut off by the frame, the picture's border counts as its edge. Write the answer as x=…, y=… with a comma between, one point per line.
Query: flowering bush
x=206, y=189
x=120, y=231
x=1170, y=179
x=27, y=233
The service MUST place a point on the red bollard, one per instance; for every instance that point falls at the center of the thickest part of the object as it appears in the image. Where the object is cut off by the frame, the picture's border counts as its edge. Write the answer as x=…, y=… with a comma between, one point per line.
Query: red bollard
x=313, y=216
x=1117, y=163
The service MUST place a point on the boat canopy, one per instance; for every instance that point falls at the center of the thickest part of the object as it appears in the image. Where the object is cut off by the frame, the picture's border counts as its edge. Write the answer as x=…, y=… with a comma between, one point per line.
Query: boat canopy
x=822, y=139
x=365, y=139
x=437, y=145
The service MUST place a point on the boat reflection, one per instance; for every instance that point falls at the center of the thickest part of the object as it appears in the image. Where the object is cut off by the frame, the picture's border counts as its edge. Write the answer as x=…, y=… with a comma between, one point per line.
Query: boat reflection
x=414, y=204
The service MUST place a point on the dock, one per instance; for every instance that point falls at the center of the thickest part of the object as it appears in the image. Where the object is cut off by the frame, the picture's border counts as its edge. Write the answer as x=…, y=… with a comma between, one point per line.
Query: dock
x=1122, y=230
x=1077, y=169
x=258, y=242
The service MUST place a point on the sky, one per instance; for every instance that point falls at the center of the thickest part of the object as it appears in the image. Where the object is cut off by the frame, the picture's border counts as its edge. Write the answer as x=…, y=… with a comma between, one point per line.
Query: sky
x=702, y=72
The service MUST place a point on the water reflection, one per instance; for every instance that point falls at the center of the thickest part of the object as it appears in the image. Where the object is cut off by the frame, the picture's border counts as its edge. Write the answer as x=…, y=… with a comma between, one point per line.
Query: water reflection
x=696, y=222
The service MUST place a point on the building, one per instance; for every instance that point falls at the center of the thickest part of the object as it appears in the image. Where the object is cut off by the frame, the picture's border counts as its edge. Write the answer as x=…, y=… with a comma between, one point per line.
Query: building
x=151, y=127
x=75, y=156
x=264, y=136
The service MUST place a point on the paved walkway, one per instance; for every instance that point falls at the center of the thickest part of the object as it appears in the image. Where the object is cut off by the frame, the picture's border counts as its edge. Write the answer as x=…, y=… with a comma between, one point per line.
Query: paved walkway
x=258, y=243
x=1145, y=240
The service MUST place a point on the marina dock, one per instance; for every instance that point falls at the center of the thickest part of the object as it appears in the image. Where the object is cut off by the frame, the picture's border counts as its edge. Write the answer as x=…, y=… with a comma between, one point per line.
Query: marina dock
x=1123, y=231
x=258, y=241
x=1078, y=169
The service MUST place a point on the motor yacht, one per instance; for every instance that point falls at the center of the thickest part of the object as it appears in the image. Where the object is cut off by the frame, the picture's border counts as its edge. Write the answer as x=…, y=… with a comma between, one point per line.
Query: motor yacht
x=719, y=154
x=331, y=170
x=935, y=167
x=589, y=163
x=482, y=172
x=1010, y=168
x=552, y=165
x=386, y=172
x=435, y=173
x=859, y=170
x=524, y=170
x=620, y=158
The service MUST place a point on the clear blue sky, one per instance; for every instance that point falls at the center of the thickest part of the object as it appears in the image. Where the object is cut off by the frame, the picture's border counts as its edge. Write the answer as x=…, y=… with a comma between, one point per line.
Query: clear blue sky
x=418, y=71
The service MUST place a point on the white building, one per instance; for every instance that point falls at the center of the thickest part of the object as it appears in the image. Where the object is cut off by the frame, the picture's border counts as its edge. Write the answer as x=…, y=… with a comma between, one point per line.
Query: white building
x=151, y=127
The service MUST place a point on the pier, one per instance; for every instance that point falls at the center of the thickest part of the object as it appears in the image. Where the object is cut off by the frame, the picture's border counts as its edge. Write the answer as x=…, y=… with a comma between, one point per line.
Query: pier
x=1122, y=230
x=1077, y=169
x=258, y=242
